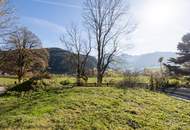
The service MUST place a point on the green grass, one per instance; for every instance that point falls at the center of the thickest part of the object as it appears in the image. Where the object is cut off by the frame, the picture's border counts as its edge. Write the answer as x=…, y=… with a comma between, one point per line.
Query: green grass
x=6, y=81
x=94, y=109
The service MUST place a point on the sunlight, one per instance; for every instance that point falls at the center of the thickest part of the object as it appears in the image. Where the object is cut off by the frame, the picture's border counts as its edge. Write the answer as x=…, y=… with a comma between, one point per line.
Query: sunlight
x=160, y=12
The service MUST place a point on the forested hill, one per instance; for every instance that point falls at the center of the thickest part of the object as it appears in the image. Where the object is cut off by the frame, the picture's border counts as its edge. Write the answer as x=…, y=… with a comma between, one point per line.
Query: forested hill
x=61, y=63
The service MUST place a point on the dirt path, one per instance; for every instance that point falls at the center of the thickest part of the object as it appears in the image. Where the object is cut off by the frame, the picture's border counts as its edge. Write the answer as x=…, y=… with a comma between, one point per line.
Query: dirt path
x=2, y=90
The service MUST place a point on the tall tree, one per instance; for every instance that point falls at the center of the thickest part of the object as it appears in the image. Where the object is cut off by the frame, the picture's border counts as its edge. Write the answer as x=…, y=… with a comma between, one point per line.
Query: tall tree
x=6, y=21
x=80, y=49
x=181, y=64
x=6, y=18
x=103, y=18
x=23, y=53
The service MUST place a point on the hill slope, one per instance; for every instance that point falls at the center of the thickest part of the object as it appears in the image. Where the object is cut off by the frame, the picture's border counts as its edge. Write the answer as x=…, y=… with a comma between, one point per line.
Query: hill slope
x=60, y=63
x=94, y=109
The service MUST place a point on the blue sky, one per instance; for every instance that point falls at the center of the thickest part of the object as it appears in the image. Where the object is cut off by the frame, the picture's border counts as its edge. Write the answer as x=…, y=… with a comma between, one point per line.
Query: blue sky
x=48, y=19
x=161, y=23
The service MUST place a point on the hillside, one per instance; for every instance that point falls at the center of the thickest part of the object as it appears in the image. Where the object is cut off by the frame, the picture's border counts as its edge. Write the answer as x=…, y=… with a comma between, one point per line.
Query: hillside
x=60, y=61
x=139, y=62
x=94, y=109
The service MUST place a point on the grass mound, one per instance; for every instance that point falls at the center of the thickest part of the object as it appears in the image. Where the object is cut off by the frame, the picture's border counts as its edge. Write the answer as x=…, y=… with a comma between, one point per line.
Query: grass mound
x=94, y=109
x=32, y=85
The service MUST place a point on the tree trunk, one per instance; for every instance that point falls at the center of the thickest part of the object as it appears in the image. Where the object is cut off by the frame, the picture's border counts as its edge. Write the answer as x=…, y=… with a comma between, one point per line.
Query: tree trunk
x=78, y=70
x=161, y=69
x=78, y=80
x=20, y=75
x=99, y=79
x=19, y=79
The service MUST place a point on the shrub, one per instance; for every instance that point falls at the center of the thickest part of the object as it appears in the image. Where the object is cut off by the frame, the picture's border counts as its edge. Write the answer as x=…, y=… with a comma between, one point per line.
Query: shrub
x=174, y=83
x=31, y=84
x=65, y=82
x=130, y=80
x=162, y=83
x=156, y=82
x=42, y=75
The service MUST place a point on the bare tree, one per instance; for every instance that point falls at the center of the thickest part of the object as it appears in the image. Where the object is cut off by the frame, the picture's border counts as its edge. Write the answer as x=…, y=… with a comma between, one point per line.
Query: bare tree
x=103, y=18
x=6, y=18
x=80, y=49
x=23, y=53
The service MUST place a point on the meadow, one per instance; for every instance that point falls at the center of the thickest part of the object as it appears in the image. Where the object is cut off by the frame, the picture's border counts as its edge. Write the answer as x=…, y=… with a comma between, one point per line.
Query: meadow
x=10, y=80
x=94, y=109
x=91, y=108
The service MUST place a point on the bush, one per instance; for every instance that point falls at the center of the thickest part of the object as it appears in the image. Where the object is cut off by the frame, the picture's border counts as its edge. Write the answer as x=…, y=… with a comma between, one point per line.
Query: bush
x=162, y=83
x=174, y=83
x=65, y=82
x=31, y=84
x=131, y=79
x=156, y=82
x=25, y=86
x=42, y=75
x=82, y=83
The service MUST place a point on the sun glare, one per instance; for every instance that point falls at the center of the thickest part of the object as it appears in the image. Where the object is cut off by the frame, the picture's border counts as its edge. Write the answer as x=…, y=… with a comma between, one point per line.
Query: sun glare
x=160, y=12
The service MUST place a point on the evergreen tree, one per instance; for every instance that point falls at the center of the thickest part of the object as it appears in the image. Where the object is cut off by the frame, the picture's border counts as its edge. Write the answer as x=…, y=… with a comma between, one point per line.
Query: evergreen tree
x=181, y=64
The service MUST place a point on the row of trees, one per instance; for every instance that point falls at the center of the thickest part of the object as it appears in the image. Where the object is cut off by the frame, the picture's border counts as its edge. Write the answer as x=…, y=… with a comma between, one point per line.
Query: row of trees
x=103, y=22
x=102, y=18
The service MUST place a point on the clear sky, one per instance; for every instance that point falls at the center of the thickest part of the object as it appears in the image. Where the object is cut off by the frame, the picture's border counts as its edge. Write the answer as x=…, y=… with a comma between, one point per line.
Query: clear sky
x=161, y=23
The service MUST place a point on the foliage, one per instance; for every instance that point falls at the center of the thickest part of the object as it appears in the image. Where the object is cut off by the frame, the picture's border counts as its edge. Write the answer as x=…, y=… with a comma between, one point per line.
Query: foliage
x=42, y=75
x=94, y=108
x=157, y=83
x=31, y=85
x=60, y=63
x=65, y=82
x=20, y=56
x=130, y=79
x=182, y=62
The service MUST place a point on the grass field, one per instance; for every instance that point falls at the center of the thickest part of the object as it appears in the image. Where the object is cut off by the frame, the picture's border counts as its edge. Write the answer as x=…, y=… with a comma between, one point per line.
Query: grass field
x=94, y=109
x=6, y=81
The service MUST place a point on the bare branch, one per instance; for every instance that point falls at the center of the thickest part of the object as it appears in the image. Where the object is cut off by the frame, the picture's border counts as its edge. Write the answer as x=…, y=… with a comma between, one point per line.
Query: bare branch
x=79, y=48
x=103, y=19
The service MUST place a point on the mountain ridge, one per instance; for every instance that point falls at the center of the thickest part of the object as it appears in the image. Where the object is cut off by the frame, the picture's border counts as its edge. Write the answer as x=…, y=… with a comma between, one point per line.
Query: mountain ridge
x=139, y=62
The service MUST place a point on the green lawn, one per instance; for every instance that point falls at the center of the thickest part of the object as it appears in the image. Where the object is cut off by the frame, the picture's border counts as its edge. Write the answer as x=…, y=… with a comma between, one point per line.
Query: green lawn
x=94, y=109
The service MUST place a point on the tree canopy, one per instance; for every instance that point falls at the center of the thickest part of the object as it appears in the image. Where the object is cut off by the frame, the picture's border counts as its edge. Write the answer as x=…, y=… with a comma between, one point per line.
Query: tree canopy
x=181, y=64
x=23, y=54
